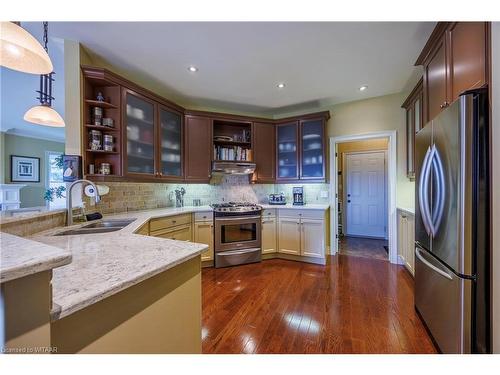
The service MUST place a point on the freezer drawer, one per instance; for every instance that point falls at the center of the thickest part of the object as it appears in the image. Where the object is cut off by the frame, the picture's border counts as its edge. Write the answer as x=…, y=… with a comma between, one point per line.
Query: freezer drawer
x=443, y=301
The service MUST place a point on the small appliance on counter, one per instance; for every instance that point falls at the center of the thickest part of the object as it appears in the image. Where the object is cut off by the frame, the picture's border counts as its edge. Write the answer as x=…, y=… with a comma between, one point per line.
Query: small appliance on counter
x=298, y=196
x=277, y=198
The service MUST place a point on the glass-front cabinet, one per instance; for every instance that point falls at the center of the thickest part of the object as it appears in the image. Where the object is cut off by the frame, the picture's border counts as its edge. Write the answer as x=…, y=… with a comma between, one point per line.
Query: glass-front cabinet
x=153, y=139
x=170, y=143
x=140, y=131
x=300, y=150
x=287, y=151
x=312, y=149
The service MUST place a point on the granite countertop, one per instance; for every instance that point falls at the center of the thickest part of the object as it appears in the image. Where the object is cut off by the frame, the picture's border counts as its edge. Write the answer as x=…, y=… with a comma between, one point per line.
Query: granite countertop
x=21, y=214
x=315, y=206
x=107, y=263
x=22, y=257
x=410, y=211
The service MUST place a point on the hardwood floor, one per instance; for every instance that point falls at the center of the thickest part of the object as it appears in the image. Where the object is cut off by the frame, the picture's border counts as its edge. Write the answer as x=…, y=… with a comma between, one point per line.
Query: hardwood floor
x=352, y=305
x=363, y=247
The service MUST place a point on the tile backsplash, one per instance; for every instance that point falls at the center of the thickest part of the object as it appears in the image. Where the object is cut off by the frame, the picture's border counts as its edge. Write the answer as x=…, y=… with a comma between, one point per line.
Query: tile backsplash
x=130, y=196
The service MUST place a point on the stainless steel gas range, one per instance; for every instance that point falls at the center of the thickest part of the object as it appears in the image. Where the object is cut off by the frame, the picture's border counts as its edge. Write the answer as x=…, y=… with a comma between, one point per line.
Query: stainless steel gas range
x=237, y=233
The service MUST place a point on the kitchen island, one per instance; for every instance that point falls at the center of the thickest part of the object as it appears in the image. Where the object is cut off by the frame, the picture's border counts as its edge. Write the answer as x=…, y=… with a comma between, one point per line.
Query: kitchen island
x=123, y=292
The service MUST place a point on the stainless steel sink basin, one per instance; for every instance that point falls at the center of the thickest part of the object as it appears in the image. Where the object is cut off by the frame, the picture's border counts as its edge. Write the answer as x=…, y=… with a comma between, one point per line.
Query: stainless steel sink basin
x=72, y=232
x=103, y=226
x=118, y=223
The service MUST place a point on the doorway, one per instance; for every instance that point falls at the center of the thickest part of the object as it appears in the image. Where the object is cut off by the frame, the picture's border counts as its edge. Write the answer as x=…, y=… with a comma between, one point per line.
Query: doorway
x=374, y=230
x=365, y=195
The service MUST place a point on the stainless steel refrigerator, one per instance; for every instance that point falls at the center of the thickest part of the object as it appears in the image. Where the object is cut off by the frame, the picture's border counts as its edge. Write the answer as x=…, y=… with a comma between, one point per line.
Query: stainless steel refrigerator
x=452, y=226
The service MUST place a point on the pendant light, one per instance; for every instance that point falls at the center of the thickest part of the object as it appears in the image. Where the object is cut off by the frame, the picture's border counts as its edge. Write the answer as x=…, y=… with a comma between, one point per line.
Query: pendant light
x=19, y=50
x=44, y=114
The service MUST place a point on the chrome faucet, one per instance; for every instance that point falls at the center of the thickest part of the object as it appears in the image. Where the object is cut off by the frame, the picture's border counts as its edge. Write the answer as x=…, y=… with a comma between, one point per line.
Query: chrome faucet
x=69, y=200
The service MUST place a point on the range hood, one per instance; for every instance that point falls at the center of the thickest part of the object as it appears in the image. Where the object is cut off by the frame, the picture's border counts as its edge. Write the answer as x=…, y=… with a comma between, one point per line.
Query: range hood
x=236, y=167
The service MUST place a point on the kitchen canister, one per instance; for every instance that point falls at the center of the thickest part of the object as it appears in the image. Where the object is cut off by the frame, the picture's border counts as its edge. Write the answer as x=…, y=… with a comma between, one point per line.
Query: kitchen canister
x=108, y=142
x=95, y=140
x=97, y=114
x=105, y=168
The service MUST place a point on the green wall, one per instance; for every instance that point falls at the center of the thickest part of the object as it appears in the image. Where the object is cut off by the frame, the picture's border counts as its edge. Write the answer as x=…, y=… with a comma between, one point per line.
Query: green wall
x=32, y=194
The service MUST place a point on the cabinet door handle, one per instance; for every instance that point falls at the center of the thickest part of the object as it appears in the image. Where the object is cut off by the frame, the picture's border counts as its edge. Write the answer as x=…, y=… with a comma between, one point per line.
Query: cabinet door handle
x=444, y=105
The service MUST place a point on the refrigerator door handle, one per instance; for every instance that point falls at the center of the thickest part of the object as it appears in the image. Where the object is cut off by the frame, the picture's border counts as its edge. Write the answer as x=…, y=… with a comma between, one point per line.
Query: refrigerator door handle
x=437, y=214
x=443, y=273
x=423, y=187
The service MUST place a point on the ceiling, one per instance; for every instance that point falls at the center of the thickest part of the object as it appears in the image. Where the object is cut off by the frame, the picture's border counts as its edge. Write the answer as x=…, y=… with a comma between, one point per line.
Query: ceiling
x=241, y=63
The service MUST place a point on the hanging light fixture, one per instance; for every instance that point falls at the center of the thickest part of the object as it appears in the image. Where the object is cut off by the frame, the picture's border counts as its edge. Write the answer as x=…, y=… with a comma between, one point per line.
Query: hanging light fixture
x=19, y=50
x=44, y=114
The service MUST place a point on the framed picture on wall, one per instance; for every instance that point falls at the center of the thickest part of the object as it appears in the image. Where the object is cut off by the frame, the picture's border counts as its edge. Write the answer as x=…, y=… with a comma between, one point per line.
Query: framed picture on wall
x=24, y=169
x=72, y=169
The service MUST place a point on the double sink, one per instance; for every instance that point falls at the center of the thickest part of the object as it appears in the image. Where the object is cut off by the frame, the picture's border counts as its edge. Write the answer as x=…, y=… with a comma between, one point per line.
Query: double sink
x=104, y=226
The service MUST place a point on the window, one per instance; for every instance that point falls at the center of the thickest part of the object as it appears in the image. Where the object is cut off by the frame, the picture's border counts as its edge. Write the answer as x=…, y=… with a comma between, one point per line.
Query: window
x=54, y=177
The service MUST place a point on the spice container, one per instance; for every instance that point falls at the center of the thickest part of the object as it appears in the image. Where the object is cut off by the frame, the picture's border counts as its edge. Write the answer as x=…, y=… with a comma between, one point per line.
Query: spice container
x=97, y=114
x=107, y=121
x=108, y=142
x=91, y=169
x=105, y=169
x=95, y=140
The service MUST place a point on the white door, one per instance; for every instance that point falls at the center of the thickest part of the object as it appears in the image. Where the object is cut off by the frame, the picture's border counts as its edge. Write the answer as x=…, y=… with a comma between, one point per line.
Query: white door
x=365, y=194
x=313, y=238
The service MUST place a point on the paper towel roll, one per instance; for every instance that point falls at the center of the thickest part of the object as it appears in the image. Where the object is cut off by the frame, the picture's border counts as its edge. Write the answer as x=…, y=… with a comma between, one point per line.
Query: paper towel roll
x=102, y=189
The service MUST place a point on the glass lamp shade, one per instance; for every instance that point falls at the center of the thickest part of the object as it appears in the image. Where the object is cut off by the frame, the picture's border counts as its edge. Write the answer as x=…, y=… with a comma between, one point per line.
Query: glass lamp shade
x=44, y=115
x=19, y=50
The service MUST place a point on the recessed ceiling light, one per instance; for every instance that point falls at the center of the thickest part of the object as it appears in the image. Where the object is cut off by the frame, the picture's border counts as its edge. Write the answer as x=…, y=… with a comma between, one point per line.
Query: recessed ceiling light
x=363, y=88
x=280, y=85
x=193, y=69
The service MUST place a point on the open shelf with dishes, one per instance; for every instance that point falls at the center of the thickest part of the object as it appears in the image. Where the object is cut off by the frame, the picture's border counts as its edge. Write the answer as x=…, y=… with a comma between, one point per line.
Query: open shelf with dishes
x=232, y=140
x=101, y=136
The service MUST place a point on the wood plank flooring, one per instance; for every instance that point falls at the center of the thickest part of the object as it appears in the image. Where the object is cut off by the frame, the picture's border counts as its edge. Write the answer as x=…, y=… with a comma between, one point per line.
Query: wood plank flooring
x=352, y=305
x=363, y=247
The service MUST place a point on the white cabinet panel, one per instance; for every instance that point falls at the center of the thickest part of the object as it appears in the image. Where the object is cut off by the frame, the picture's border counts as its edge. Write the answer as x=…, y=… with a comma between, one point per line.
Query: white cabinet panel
x=313, y=238
x=289, y=236
x=269, y=237
x=204, y=233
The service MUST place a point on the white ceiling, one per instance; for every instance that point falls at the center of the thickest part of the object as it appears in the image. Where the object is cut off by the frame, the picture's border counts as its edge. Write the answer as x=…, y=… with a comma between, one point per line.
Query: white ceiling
x=241, y=63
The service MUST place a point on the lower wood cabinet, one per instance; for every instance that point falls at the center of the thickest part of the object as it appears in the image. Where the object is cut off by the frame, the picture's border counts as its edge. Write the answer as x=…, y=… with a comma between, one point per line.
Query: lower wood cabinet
x=269, y=235
x=312, y=239
x=302, y=236
x=204, y=233
x=179, y=233
x=406, y=240
x=289, y=236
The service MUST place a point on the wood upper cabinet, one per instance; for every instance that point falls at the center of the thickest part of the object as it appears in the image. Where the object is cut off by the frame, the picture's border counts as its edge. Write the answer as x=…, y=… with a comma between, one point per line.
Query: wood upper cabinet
x=301, y=149
x=287, y=151
x=455, y=59
x=414, y=122
x=467, y=56
x=312, y=149
x=264, y=149
x=170, y=147
x=436, y=80
x=152, y=139
x=198, y=148
x=140, y=123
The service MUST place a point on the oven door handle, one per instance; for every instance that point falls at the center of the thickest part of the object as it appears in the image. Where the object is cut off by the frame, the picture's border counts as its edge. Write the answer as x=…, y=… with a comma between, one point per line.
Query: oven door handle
x=240, y=218
x=237, y=252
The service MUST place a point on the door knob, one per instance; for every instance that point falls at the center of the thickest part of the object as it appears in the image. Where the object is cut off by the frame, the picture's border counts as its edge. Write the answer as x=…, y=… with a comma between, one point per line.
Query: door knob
x=348, y=195
x=348, y=201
